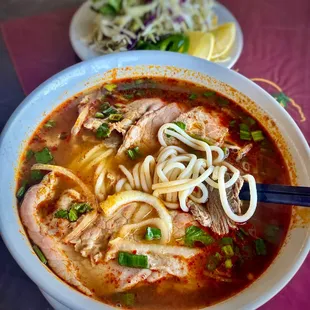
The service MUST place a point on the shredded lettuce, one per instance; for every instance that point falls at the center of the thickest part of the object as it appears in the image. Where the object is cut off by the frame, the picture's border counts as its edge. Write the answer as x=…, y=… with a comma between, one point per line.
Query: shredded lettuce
x=119, y=25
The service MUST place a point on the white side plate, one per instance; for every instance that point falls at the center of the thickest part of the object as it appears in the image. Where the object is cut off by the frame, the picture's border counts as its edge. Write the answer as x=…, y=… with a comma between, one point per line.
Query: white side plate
x=82, y=21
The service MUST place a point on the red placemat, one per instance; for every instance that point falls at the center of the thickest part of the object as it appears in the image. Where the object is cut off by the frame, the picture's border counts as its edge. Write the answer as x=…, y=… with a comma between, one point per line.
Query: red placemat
x=276, y=54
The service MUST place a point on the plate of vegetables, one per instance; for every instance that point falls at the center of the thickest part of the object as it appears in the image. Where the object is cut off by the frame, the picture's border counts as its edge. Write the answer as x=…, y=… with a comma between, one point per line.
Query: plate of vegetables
x=201, y=28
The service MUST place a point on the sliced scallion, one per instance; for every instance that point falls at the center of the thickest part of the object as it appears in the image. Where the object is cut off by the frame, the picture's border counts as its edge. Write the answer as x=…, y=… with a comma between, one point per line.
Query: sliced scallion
x=115, y=117
x=133, y=153
x=109, y=111
x=192, y=96
x=110, y=87
x=40, y=254
x=99, y=115
x=257, y=135
x=152, y=233
x=228, y=263
x=213, y=262
x=50, y=124
x=228, y=250
x=103, y=131
x=128, y=299
x=181, y=125
x=226, y=241
x=260, y=247
x=232, y=123
x=133, y=260
x=209, y=93
x=104, y=106
x=22, y=190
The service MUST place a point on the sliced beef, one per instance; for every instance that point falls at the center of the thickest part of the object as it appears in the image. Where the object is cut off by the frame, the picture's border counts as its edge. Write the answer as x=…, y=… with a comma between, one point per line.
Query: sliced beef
x=144, y=132
x=212, y=213
x=134, y=111
x=131, y=113
x=203, y=123
x=54, y=251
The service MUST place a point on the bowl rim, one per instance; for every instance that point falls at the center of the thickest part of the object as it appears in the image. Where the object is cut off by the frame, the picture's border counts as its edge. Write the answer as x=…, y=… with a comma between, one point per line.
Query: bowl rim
x=50, y=285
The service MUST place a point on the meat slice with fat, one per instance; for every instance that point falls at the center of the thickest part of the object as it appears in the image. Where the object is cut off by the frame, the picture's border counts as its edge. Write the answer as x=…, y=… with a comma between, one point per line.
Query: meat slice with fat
x=204, y=124
x=144, y=132
x=53, y=249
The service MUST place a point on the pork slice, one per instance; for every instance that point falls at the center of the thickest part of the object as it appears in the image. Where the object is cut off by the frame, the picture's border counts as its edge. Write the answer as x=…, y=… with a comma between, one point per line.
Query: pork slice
x=134, y=111
x=212, y=214
x=144, y=132
x=53, y=249
x=180, y=221
x=203, y=123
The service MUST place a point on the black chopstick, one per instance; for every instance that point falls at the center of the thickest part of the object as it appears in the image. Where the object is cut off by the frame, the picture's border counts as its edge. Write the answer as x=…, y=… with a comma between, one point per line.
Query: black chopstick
x=283, y=194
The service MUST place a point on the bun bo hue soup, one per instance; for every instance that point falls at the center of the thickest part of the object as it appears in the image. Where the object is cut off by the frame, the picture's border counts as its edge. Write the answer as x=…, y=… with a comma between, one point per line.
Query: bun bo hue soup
x=129, y=193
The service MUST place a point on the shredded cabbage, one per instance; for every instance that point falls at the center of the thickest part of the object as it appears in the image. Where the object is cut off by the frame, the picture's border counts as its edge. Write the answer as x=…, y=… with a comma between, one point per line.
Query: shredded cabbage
x=147, y=21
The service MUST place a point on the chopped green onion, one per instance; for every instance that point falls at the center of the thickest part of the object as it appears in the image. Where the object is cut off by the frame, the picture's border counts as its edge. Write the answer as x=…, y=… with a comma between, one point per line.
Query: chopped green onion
x=133, y=260
x=257, y=135
x=192, y=96
x=73, y=215
x=245, y=135
x=22, y=190
x=128, y=299
x=232, y=123
x=109, y=111
x=227, y=240
x=36, y=175
x=152, y=233
x=44, y=156
x=223, y=102
x=128, y=96
x=213, y=262
x=133, y=153
x=195, y=234
x=138, y=82
x=40, y=254
x=244, y=127
x=201, y=139
x=180, y=124
x=110, y=87
x=99, y=115
x=103, y=131
x=29, y=154
x=119, y=105
x=228, y=263
x=61, y=214
x=250, y=121
x=104, y=106
x=115, y=117
x=50, y=124
x=81, y=207
x=218, y=255
x=228, y=250
x=209, y=93
x=260, y=247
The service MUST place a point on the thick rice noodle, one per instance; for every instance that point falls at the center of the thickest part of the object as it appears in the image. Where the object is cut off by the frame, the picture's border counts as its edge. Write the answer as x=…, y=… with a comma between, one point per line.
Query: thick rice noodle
x=178, y=176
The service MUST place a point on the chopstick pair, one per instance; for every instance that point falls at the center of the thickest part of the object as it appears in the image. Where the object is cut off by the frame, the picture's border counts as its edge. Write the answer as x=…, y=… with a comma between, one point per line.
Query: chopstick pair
x=282, y=194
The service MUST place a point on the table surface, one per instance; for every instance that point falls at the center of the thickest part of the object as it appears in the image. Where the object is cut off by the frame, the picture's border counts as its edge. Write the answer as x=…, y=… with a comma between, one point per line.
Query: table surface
x=17, y=291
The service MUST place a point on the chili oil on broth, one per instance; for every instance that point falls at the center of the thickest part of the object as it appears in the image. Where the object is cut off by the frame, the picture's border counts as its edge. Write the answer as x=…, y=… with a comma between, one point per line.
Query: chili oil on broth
x=265, y=162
